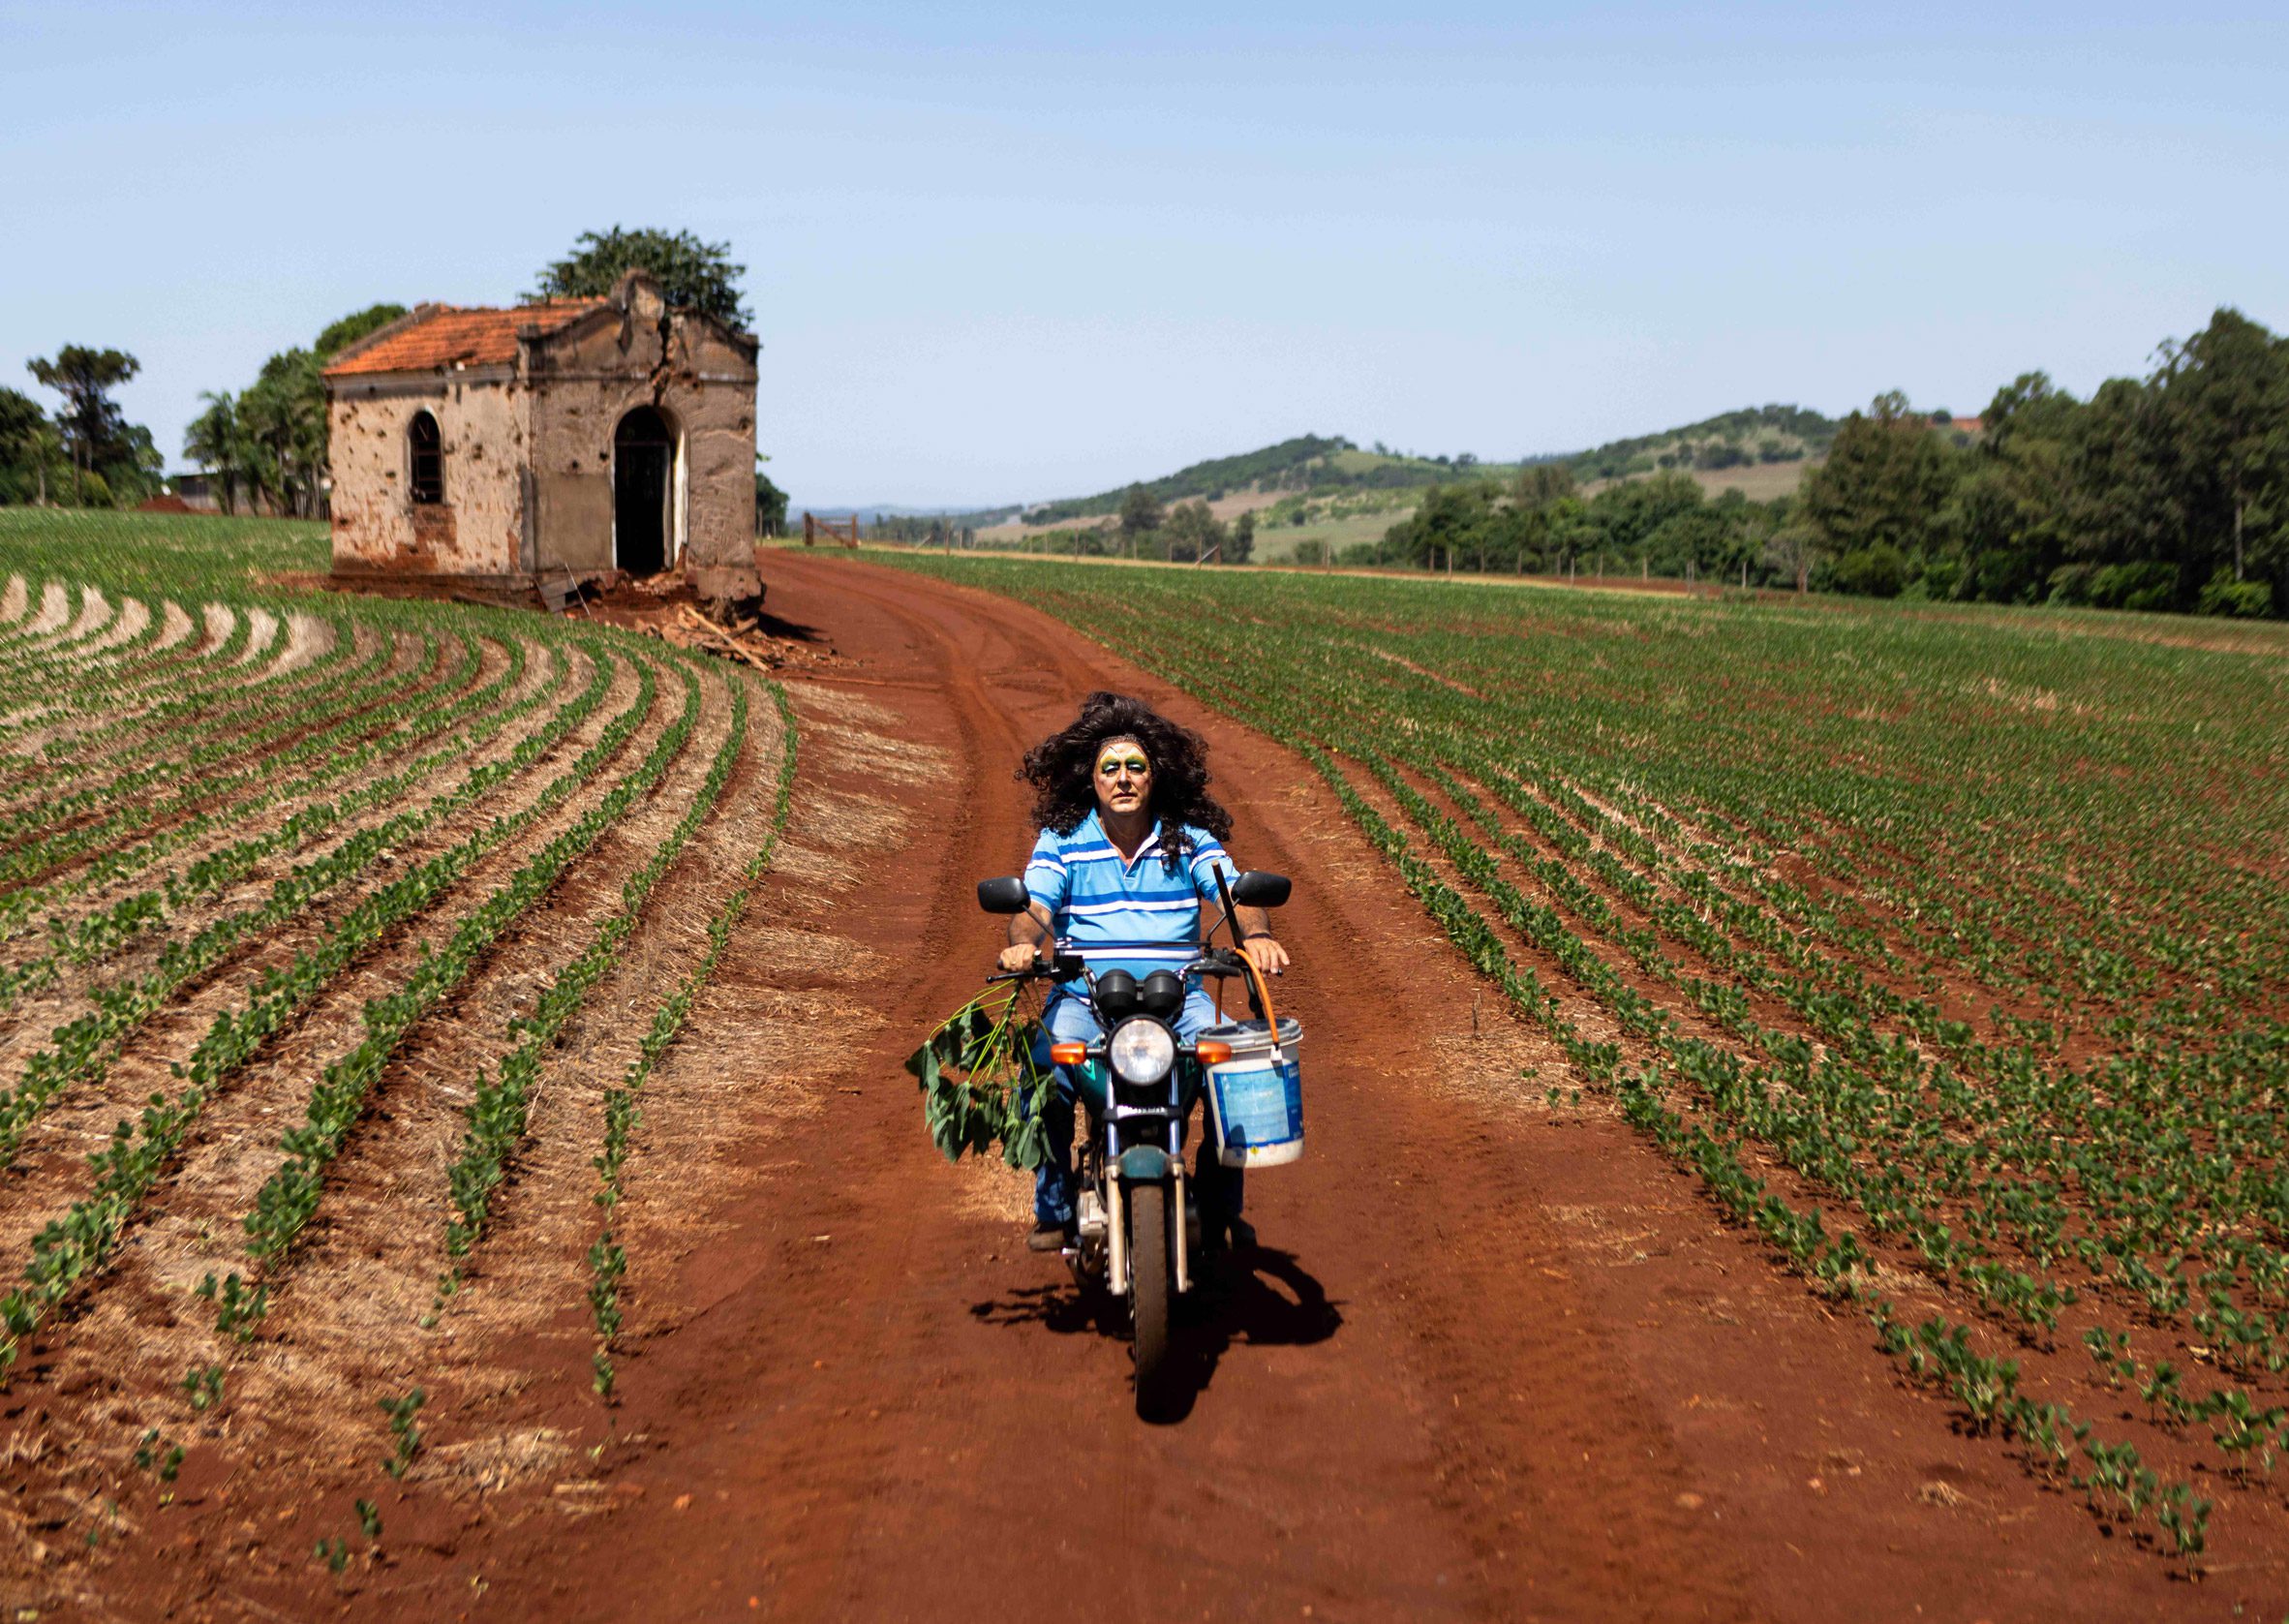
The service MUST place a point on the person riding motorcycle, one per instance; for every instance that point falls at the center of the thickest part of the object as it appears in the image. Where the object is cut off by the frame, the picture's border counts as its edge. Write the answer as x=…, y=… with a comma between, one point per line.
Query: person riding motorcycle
x=1128, y=852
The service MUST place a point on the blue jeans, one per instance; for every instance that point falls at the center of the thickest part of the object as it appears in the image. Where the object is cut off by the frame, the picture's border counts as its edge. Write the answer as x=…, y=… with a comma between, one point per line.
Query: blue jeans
x=1071, y=1019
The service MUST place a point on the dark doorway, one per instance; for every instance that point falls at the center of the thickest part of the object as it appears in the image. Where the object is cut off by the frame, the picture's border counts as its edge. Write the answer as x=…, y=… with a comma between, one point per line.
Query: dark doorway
x=643, y=453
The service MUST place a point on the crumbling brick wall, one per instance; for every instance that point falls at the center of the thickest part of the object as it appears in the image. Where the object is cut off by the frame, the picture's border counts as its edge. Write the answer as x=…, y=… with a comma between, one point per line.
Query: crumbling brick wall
x=699, y=376
x=477, y=529
x=527, y=402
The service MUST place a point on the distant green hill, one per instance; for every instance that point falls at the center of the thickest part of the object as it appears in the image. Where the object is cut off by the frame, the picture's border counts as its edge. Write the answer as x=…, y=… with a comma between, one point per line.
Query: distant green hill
x=1754, y=434
x=1328, y=466
x=1288, y=465
x=1309, y=462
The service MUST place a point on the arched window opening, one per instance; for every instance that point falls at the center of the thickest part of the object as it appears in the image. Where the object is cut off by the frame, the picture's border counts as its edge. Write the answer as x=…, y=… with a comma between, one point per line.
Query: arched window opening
x=428, y=484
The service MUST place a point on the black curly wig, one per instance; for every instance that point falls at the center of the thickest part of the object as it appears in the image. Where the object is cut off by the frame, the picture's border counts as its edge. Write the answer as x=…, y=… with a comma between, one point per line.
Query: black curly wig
x=1062, y=770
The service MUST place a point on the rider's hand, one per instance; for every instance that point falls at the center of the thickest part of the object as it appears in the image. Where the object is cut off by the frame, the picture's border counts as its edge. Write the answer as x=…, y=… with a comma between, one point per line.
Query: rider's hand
x=1267, y=954
x=1024, y=956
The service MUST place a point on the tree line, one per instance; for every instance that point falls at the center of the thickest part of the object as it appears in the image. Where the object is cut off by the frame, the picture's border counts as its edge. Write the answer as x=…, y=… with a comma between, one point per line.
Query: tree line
x=1182, y=533
x=2167, y=492
x=1145, y=528
x=263, y=446
x=1754, y=433
x=1295, y=461
x=86, y=455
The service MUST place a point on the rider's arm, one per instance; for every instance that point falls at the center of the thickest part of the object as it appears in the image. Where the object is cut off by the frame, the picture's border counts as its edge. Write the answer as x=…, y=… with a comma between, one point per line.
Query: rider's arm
x=1251, y=925
x=1257, y=941
x=1032, y=934
x=1029, y=939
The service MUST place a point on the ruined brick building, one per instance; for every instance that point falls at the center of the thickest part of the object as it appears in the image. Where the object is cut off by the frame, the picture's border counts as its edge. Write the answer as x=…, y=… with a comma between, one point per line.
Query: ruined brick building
x=504, y=449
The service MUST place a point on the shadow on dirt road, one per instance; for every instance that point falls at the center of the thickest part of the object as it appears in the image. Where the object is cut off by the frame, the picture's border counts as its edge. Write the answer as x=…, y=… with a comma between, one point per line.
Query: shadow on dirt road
x=1258, y=1298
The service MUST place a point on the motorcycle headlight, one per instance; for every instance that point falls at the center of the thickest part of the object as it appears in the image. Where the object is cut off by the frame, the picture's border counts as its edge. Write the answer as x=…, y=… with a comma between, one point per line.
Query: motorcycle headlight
x=1141, y=1050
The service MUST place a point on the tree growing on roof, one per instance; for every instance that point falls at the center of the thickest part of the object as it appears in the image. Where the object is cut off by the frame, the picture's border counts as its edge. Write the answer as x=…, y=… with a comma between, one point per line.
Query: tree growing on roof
x=693, y=275
x=364, y=323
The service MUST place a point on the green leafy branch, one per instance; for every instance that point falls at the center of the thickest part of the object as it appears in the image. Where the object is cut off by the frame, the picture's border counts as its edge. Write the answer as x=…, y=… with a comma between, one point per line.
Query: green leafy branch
x=980, y=1086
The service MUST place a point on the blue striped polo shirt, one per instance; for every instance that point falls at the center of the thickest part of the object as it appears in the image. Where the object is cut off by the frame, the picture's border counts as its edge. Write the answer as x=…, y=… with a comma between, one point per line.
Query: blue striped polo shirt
x=1094, y=897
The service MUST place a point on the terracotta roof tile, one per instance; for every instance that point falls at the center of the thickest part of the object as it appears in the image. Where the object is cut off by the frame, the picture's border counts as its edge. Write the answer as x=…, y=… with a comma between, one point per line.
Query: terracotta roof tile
x=451, y=336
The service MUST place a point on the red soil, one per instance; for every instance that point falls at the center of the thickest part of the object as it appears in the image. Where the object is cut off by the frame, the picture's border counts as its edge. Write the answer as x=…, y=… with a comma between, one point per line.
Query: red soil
x=1496, y=1361
x=1492, y=1364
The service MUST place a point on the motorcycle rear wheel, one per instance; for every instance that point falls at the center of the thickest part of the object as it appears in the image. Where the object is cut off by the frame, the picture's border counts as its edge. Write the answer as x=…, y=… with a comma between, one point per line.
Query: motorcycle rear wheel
x=1149, y=1293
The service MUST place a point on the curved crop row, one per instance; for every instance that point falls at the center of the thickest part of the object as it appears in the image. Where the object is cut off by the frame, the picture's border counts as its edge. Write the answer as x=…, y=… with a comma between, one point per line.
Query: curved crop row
x=80, y=1049
x=92, y=938
x=501, y=1104
x=412, y=720
x=315, y=731
x=79, y=1243
x=290, y=1198
x=607, y=1259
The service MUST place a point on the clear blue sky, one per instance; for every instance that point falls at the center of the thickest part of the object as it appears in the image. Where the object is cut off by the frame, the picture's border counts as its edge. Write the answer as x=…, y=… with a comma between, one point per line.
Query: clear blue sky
x=996, y=253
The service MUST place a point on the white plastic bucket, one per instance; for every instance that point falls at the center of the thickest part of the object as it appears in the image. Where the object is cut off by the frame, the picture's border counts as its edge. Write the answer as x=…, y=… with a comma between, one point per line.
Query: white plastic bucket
x=1257, y=1101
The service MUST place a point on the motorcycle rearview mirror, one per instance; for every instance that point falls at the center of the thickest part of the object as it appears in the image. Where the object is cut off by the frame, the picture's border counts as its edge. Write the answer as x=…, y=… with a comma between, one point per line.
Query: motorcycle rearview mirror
x=1006, y=894
x=1260, y=888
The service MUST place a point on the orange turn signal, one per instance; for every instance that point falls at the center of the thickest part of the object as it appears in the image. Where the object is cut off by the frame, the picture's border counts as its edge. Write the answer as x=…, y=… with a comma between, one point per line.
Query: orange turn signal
x=1211, y=1052
x=1069, y=1053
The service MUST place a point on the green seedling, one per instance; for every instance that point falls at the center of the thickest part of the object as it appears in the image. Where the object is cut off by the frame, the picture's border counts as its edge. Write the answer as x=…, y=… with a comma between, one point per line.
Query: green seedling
x=404, y=1431
x=204, y=1387
x=238, y=1309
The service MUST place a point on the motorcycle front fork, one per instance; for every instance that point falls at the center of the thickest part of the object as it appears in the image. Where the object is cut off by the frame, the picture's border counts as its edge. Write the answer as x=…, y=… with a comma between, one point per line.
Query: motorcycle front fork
x=1105, y=1220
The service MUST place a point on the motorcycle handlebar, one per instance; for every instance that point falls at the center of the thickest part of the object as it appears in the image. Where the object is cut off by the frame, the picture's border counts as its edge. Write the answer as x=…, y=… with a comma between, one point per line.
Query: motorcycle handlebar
x=1065, y=967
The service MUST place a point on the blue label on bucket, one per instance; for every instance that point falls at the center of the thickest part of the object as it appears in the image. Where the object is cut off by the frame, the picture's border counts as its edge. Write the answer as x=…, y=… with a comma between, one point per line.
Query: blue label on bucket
x=1260, y=1104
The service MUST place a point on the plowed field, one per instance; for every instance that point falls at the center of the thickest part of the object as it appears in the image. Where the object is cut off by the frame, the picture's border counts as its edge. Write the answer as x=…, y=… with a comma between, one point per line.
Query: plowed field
x=496, y=1015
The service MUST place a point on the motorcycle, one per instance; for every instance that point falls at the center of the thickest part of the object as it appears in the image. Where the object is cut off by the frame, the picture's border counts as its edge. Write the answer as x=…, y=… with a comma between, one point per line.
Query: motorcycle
x=1137, y=1231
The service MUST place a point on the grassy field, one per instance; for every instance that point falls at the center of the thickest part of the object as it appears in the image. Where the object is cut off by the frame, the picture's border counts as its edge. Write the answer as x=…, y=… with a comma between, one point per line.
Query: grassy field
x=1757, y=481
x=1345, y=520
x=1278, y=543
x=316, y=897
x=1949, y=950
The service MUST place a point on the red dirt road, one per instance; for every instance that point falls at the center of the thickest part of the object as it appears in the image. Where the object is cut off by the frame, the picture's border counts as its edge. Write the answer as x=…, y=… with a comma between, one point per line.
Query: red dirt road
x=1496, y=1361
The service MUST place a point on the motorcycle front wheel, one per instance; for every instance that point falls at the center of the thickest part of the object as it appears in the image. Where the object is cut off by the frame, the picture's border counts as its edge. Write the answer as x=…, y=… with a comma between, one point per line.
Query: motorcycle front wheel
x=1149, y=1293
